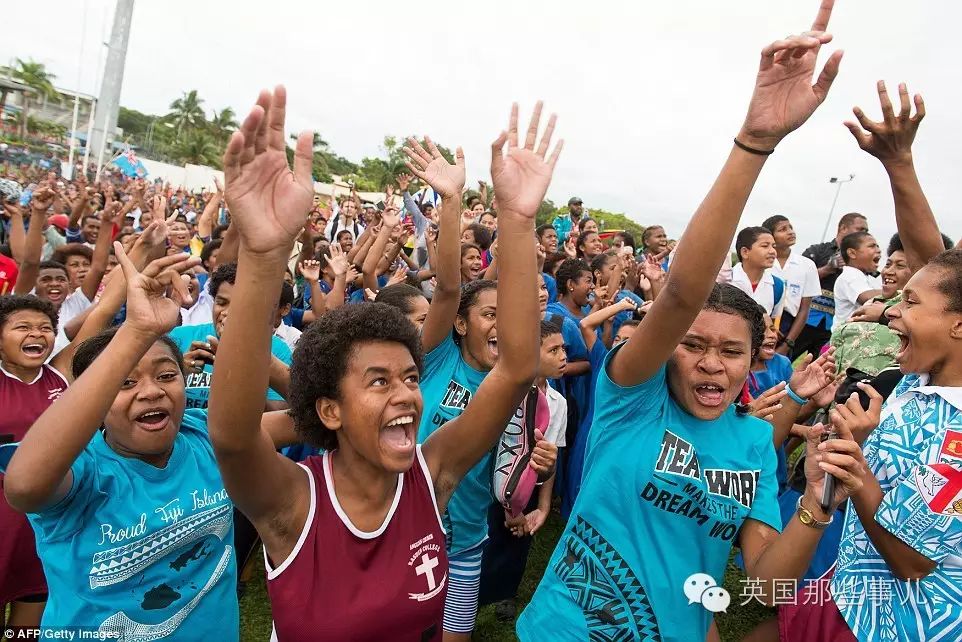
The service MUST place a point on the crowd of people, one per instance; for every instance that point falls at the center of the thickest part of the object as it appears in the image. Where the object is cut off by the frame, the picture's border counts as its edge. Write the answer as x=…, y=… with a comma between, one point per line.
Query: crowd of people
x=390, y=399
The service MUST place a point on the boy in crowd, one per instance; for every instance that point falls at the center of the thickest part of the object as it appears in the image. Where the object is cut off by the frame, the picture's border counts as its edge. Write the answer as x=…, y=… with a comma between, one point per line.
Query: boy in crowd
x=859, y=280
x=828, y=260
x=509, y=539
x=801, y=281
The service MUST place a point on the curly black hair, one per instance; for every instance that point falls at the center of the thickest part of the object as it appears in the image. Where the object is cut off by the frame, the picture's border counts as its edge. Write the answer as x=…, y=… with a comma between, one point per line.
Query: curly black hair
x=90, y=349
x=226, y=273
x=482, y=236
x=322, y=355
x=950, y=263
x=728, y=299
x=570, y=270
x=16, y=302
x=895, y=244
x=399, y=296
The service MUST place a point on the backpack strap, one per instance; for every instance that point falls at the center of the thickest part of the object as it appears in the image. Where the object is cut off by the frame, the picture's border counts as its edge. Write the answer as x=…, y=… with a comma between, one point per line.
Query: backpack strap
x=779, y=291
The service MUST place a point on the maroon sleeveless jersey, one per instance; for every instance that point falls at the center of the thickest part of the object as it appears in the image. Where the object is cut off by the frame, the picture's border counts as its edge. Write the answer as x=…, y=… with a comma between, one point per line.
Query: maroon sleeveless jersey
x=21, y=573
x=340, y=583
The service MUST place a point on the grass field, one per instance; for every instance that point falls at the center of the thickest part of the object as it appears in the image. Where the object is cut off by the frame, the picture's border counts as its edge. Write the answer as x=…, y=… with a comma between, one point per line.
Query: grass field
x=256, y=613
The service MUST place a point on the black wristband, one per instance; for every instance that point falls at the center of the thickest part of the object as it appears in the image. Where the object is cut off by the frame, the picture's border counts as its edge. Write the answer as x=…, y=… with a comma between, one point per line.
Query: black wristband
x=752, y=150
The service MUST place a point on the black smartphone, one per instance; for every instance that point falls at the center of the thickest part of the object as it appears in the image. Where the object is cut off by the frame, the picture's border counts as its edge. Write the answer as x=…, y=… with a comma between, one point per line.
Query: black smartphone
x=828, y=490
x=380, y=206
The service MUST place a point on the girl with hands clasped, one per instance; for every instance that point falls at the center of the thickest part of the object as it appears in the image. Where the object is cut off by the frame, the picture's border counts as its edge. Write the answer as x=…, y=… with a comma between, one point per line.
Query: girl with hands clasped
x=120, y=485
x=357, y=532
x=674, y=476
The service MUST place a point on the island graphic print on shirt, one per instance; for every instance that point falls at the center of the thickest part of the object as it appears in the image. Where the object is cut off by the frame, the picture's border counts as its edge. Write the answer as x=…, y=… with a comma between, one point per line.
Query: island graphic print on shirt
x=165, y=563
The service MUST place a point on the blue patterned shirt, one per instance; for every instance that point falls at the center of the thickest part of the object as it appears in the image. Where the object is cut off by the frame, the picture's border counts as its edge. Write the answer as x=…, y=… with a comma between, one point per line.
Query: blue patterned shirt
x=916, y=454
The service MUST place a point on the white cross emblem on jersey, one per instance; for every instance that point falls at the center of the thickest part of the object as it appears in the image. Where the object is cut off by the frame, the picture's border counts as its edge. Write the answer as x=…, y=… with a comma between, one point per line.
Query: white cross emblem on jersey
x=427, y=566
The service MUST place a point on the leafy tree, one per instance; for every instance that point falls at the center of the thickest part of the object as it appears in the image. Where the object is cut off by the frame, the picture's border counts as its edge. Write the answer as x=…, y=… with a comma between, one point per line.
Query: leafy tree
x=606, y=220
x=223, y=124
x=187, y=112
x=40, y=81
x=134, y=122
x=197, y=148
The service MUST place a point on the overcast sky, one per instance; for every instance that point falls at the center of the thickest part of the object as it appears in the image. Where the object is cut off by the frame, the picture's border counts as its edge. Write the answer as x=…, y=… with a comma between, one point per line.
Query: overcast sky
x=648, y=94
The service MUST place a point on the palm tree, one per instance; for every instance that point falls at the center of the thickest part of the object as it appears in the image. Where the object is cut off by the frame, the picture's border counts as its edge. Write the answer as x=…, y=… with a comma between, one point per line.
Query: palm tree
x=196, y=148
x=186, y=112
x=35, y=75
x=223, y=123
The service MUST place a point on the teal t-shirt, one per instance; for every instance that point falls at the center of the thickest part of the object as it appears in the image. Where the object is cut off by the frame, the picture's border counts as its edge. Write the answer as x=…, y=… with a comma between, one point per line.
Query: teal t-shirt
x=198, y=383
x=143, y=550
x=447, y=385
x=662, y=499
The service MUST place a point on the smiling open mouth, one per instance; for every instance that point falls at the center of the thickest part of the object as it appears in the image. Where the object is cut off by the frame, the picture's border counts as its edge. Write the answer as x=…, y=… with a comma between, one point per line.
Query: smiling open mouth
x=398, y=434
x=34, y=349
x=153, y=420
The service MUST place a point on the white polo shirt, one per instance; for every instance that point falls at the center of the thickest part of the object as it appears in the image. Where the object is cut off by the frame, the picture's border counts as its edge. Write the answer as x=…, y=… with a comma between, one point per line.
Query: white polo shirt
x=849, y=285
x=801, y=280
x=557, y=417
x=764, y=292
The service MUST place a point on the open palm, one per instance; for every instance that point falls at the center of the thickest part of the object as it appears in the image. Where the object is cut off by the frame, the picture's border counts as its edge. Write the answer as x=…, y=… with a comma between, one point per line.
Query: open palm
x=268, y=202
x=431, y=167
x=522, y=175
x=784, y=96
x=808, y=379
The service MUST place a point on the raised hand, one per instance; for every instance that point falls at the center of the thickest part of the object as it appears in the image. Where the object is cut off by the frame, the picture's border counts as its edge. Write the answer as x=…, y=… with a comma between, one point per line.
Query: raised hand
x=159, y=207
x=768, y=403
x=338, y=261
x=155, y=234
x=42, y=200
x=404, y=181
x=784, y=96
x=651, y=267
x=826, y=396
x=811, y=376
x=522, y=175
x=149, y=308
x=269, y=203
x=109, y=215
x=890, y=140
x=431, y=167
x=400, y=276
x=311, y=270
x=390, y=218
